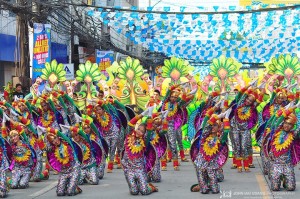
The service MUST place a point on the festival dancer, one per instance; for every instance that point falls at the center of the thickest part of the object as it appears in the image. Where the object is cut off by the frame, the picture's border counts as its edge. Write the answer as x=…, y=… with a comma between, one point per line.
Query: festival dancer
x=23, y=159
x=62, y=109
x=160, y=143
x=48, y=115
x=88, y=170
x=212, y=149
x=92, y=133
x=281, y=149
x=244, y=119
x=119, y=111
x=175, y=106
x=108, y=126
x=69, y=105
x=202, y=109
x=277, y=101
x=63, y=157
x=37, y=143
x=133, y=160
x=22, y=109
x=4, y=159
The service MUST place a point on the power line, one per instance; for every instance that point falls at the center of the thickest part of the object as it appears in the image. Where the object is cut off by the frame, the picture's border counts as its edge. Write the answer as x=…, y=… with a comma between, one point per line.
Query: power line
x=187, y=13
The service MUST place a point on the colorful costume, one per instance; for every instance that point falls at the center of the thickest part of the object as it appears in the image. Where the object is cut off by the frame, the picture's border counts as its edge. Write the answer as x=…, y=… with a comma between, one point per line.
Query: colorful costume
x=88, y=171
x=48, y=117
x=22, y=162
x=95, y=137
x=281, y=148
x=65, y=158
x=244, y=118
x=176, y=118
x=120, y=112
x=109, y=127
x=209, y=153
x=277, y=101
x=38, y=145
x=133, y=161
x=5, y=153
x=159, y=141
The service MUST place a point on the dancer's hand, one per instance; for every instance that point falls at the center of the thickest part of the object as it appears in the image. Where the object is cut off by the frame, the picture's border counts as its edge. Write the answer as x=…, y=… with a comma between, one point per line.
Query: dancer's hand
x=297, y=105
x=6, y=117
x=262, y=85
x=218, y=104
x=193, y=91
x=292, y=86
x=165, y=114
x=14, y=113
x=145, y=113
x=227, y=113
x=290, y=105
x=221, y=115
x=253, y=82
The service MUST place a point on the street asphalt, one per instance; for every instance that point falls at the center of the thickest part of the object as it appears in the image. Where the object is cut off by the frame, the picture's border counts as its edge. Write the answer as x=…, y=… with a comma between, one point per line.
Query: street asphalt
x=175, y=184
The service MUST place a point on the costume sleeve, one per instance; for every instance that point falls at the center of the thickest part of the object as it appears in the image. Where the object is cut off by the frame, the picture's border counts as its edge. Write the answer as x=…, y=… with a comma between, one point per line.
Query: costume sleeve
x=83, y=135
x=185, y=99
x=29, y=106
x=226, y=130
x=165, y=126
x=4, y=132
x=280, y=115
x=207, y=116
x=134, y=120
x=51, y=104
x=240, y=94
x=28, y=124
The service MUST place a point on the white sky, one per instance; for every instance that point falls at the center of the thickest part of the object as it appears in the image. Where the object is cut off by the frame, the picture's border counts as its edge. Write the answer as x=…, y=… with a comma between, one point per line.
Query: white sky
x=187, y=3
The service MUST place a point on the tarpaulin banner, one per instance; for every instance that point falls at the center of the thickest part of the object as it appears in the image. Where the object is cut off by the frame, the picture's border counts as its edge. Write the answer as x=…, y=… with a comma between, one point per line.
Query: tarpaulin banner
x=41, y=48
x=104, y=59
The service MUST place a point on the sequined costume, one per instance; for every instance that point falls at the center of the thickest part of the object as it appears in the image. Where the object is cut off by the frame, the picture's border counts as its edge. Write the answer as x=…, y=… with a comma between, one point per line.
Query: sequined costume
x=277, y=101
x=282, y=150
x=21, y=165
x=133, y=162
x=280, y=164
x=159, y=141
x=49, y=116
x=3, y=168
x=37, y=144
x=26, y=111
x=245, y=117
x=212, y=154
x=94, y=136
x=65, y=159
x=48, y=119
x=119, y=111
x=71, y=108
x=109, y=128
x=88, y=171
x=176, y=119
x=195, y=119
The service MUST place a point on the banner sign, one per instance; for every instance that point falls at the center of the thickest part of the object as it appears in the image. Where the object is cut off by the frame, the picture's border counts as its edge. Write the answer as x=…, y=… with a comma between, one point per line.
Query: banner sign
x=69, y=68
x=104, y=59
x=82, y=51
x=41, y=48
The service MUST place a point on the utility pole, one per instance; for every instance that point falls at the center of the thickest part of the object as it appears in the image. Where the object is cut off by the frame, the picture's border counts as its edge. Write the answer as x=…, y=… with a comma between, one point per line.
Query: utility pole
x=22, y=46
